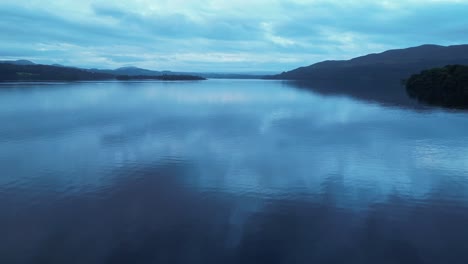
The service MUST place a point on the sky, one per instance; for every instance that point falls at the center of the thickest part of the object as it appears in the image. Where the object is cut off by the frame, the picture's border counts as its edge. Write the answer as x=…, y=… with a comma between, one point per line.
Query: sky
x=221, y=35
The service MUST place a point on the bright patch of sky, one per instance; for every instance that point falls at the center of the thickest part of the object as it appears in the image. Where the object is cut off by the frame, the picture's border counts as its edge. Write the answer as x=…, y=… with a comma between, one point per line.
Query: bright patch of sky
x=218, y=35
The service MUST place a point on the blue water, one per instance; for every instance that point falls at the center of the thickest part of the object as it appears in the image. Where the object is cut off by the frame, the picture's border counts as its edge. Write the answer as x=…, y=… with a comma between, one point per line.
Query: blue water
x=227, y=171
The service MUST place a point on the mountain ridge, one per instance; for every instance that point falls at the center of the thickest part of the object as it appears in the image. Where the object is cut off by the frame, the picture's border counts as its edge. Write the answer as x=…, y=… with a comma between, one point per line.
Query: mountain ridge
x=395, y=63
x=12, y=71
x=18, y=62
x=134, y=71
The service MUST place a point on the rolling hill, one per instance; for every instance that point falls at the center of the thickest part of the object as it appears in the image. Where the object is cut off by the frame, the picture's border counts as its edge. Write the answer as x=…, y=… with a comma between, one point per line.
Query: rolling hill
x=37, y=72
x=22, y=70
x=390, y=65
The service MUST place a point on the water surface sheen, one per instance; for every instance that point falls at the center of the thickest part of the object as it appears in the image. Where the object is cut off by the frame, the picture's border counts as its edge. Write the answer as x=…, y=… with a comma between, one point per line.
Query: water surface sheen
x=227, y=171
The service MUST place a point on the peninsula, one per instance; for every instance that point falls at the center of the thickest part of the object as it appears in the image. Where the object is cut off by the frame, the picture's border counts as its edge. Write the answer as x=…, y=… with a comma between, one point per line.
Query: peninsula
x=22, y=70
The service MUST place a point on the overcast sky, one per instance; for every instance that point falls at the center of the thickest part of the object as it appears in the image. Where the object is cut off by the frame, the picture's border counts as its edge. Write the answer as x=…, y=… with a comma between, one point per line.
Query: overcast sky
x=221, y=35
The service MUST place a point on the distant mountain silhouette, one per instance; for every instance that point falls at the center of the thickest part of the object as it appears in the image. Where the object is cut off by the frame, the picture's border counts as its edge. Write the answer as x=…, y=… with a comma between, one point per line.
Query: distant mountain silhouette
x=391, y=65
x=60, y=65
x=160, y=77
x=37, y=72
x=138, y=73
x=18, y=62
x=135, y=71
x=132, y=71
x=29, y=71
x=375, y=77
x=231, y=75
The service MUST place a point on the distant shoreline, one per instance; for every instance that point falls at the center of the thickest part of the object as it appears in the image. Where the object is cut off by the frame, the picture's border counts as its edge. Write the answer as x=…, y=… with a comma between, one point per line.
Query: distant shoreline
x=445, y=86
x=160, y=78
x=24, y=70
x=10, y=72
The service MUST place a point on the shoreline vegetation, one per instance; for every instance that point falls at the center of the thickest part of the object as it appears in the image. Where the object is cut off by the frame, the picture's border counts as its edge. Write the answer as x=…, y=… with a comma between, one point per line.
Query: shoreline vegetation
x=24, y=71
x=374, y=76
x=382, y=76
x=446, y=86
x=165, y=77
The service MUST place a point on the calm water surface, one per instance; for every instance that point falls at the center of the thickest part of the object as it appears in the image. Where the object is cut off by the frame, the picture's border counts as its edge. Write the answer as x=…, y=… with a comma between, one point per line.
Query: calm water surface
x=227, y=171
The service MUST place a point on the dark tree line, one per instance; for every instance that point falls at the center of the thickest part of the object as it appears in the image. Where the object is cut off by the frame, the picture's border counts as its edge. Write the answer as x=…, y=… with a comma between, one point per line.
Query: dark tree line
x=446, y=86
x=161, y=77
x=13, y=72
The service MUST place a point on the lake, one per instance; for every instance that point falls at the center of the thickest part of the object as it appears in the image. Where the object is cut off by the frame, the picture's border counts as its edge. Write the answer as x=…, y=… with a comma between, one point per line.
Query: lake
x=227, y=171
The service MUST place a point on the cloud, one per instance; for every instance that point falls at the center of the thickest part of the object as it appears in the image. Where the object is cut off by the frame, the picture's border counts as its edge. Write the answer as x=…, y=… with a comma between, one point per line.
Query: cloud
x=216, y=35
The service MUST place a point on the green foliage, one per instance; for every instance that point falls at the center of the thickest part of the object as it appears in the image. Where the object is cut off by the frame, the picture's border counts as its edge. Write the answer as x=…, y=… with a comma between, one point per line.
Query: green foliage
x=447, y=86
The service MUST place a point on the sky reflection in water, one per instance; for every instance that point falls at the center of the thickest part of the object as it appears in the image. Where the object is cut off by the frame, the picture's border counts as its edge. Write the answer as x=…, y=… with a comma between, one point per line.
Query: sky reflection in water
x=227, y=171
